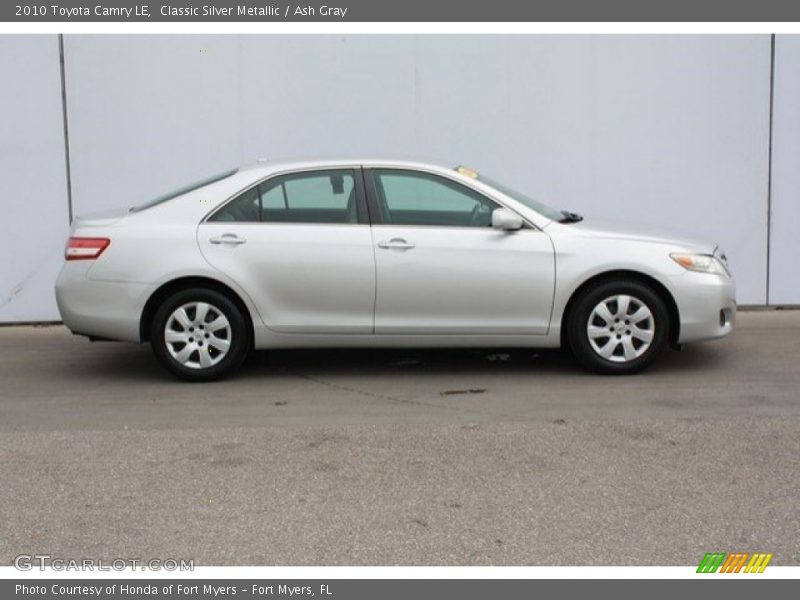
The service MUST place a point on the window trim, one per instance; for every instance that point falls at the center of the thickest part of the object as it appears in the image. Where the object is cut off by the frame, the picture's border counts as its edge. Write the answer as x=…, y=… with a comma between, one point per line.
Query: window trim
x=362, y=214
x=374, y=207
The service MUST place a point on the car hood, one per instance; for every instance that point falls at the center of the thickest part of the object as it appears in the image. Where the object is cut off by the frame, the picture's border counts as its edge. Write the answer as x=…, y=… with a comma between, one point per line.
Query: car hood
x=645, y=233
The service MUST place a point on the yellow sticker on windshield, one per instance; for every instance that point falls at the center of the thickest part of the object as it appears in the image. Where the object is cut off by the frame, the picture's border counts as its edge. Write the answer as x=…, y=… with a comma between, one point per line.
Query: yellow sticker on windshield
x=467, y=172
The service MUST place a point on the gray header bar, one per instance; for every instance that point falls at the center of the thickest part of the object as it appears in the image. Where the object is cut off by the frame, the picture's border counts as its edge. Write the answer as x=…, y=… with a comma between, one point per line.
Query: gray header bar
x=405, y=10
x=732, y=588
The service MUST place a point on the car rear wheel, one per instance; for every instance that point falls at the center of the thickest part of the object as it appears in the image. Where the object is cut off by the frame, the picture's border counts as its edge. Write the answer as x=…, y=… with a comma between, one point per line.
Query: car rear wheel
x=618, y=327
x=199, y=335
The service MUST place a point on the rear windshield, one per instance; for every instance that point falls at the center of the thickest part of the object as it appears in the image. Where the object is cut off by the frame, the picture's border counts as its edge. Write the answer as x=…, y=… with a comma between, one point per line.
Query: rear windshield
x=184, y=190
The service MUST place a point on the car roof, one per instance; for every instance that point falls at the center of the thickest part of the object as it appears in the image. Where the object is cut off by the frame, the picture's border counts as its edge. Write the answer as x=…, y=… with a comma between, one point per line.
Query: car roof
x=271, y=165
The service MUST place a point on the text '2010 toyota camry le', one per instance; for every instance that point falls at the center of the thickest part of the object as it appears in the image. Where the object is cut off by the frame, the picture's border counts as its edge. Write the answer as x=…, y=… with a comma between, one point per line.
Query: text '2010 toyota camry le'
x=375, y=253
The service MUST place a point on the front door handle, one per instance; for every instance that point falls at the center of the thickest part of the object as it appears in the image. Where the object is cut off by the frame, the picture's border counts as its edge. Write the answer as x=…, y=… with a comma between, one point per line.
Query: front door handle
x=396, y=244
x=228, y=238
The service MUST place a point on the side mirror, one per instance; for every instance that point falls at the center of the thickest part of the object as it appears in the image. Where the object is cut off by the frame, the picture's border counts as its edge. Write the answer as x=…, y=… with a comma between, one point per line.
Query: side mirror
x=506, y=220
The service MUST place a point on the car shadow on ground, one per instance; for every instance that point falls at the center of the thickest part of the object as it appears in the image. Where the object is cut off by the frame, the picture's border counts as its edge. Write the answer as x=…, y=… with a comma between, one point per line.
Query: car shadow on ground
x=135, y=362
x=698, y=357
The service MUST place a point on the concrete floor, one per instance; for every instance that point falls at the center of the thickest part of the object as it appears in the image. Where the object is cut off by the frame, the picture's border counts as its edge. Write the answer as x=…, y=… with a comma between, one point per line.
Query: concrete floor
x=407, y=457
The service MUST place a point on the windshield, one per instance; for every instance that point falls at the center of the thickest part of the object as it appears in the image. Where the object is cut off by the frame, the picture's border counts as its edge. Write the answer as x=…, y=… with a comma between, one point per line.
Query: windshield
x=184, y=190
x=542, y=209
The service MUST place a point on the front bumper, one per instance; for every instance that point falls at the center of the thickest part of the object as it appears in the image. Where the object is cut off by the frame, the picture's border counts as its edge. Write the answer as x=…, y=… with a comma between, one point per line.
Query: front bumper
x=706, y=305
x=103, y=309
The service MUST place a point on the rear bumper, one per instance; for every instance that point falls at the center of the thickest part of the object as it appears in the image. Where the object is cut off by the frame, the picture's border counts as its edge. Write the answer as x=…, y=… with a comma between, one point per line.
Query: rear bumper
x=706, y=306
x=103, y=309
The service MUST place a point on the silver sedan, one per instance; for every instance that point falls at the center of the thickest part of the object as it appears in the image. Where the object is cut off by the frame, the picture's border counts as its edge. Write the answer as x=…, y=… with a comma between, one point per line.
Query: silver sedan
x=375, y=253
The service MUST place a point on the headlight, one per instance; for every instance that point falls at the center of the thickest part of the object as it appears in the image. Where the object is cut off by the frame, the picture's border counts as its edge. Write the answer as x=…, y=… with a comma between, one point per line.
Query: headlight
x=702, y=263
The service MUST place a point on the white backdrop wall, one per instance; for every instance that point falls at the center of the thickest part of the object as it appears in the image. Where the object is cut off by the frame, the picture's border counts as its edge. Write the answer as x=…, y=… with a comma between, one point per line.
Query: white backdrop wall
x=33, y=186
x=785, y=210
x=671, y=130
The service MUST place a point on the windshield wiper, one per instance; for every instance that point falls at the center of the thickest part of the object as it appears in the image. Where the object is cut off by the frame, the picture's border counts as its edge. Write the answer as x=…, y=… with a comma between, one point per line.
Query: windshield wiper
x=570, y=217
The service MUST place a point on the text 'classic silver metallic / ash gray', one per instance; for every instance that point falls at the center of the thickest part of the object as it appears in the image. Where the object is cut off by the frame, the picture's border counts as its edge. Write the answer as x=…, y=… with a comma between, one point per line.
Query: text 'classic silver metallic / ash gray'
x=379, y=253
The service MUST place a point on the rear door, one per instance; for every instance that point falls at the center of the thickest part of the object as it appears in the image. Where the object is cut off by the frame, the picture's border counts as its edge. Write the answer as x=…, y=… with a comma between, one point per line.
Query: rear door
x=300, y=245
x=442, y=268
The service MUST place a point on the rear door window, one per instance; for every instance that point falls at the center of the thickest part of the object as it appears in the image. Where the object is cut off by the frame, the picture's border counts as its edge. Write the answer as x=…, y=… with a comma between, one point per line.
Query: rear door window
x=326, y=196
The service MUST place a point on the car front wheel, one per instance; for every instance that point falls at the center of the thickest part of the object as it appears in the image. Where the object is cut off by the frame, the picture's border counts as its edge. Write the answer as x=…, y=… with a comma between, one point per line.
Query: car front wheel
x=618, y=327
x=199, y=335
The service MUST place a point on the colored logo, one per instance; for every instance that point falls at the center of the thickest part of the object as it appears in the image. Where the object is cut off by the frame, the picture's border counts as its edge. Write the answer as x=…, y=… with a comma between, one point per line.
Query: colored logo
x=734, y=562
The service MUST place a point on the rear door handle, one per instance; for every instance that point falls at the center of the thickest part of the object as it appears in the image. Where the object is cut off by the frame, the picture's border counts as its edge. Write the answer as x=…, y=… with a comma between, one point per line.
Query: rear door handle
x=228, y=238
x=396, y=244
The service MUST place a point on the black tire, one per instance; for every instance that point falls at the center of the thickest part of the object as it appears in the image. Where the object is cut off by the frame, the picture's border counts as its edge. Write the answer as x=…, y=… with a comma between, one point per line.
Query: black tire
x=238, y=331
x=583, y=308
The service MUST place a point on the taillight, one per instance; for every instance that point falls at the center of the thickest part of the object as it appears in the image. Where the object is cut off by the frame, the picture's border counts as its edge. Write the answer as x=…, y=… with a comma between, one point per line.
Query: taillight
x=84, y=248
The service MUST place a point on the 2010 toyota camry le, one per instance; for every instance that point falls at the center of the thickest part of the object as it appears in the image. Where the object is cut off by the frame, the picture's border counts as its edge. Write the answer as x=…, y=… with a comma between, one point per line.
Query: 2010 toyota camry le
x=376, y=253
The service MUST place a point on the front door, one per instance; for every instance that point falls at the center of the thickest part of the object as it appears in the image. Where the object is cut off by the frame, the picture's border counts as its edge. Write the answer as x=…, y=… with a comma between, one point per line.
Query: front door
x=442, y=268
